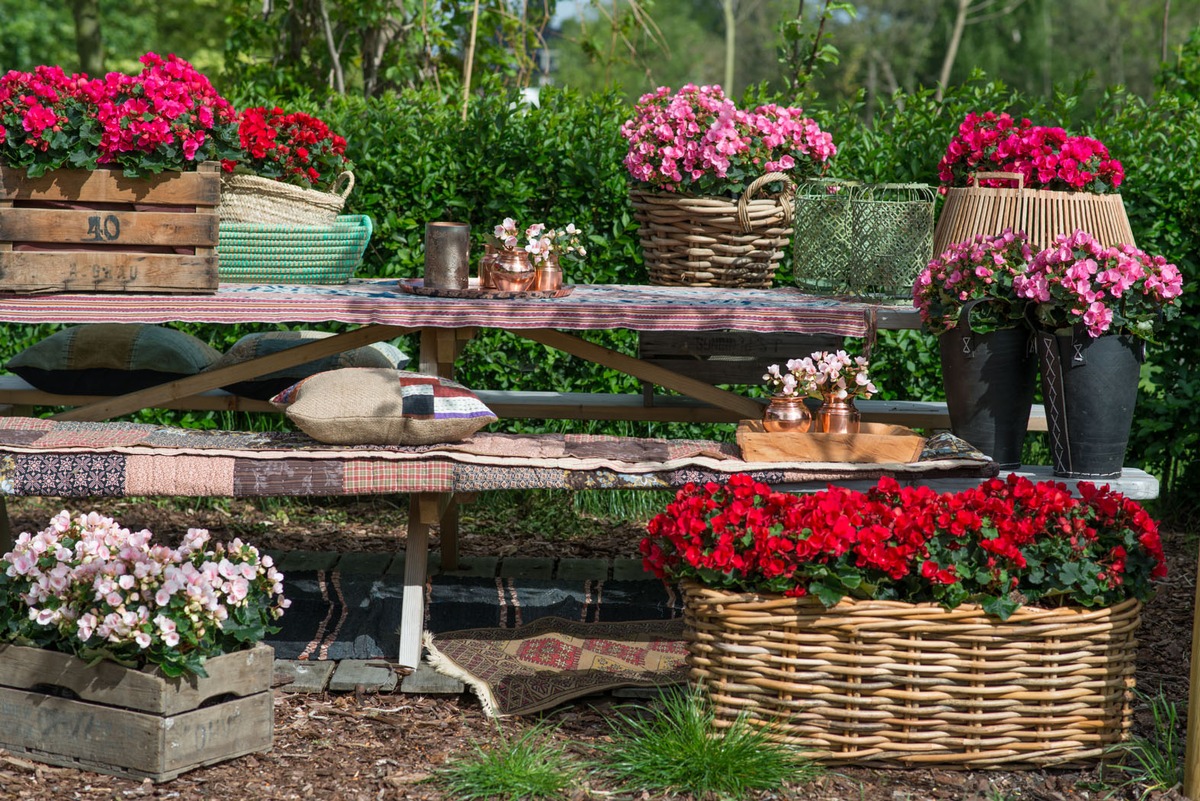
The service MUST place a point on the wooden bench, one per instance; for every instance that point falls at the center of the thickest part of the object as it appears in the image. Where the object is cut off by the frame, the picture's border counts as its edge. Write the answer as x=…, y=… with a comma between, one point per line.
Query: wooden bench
x=21, y=398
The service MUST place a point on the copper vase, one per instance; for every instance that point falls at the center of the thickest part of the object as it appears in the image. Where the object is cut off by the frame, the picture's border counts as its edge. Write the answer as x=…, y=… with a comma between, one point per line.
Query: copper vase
x=787, y=413
x=837, y=416
x=512, y=271
x=486, y=262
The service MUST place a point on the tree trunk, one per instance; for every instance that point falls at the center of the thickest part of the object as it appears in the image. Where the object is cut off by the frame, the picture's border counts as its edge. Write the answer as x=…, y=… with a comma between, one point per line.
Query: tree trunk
x=730, y=41
x=89, y=39
x=960, y=21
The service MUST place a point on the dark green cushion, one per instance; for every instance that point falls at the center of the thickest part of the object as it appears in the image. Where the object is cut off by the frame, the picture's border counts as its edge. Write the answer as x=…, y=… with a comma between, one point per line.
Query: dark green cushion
x=111, y=358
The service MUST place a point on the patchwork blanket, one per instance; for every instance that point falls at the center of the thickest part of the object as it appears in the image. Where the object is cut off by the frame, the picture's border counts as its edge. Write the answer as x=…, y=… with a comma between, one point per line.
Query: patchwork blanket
x=77, y=459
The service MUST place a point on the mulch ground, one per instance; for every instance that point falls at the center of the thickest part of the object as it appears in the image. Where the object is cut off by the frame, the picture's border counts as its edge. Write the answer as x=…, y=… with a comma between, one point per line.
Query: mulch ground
x=361, y=747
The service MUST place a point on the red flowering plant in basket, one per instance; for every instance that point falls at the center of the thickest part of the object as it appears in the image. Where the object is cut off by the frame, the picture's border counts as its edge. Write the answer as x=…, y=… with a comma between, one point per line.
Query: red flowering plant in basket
x=295, y=148
x=1002, y=544
x=697, y=141
x=1047, y=157
x=168, y=117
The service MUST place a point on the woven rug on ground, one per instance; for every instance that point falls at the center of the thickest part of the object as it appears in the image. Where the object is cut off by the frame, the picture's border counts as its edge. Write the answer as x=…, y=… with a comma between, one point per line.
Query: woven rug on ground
x=550, y=661
x=337, y=615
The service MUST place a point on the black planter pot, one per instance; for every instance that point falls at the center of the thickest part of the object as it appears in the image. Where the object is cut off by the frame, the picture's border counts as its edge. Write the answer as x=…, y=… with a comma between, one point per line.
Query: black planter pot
x=989, y=381
x=1090, y=390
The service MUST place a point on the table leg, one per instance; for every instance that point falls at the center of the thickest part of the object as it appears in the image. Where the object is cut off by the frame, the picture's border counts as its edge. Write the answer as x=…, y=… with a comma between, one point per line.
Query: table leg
x=606, y=357
x=212, y=379
x=424, y=509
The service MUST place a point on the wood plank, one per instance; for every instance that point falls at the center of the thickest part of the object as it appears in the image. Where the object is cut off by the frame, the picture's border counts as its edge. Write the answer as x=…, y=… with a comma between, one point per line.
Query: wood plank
x=108, y=229
x=16, y=390
x=647, y=372
x=241, y=673
x=212, y=379
x=1191, y=749
x=700, y=345
x=199, y=188
x=77, y=734
x=102, y=271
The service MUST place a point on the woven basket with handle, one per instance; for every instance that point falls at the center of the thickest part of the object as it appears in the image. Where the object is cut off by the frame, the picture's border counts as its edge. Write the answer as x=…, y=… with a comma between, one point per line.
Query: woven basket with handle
x=1042, y=214
x=904, y=685
x=263, y=201
x=713, y=241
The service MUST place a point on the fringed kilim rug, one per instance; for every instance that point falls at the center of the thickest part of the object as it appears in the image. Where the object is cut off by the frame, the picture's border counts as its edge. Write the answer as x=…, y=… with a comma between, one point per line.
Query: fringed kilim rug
x=336, y=615
x=552, y=660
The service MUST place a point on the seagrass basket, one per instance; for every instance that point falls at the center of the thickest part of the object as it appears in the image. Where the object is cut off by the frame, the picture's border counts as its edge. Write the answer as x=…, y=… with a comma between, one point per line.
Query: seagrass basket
x=264, y=201
x=905, y=685
x=1042, y=214
x=862, y=240
x=713, y=241
x=254, y=253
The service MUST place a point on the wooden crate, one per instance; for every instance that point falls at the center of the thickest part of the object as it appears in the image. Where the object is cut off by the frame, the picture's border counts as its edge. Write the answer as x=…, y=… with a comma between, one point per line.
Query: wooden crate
x=110, y=719
x=98, y=231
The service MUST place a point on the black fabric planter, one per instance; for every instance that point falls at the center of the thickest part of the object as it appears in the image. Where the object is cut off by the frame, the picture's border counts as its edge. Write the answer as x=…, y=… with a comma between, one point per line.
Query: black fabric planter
x=1090, y=390
x=989, y=381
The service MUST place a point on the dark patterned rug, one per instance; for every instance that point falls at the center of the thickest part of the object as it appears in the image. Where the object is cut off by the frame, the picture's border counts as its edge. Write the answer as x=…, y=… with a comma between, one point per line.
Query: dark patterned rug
x=338, y=615
x=545, y=663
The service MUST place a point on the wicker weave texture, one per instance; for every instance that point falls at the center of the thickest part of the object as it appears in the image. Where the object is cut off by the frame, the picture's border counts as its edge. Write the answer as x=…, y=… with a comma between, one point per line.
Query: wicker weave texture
x=712, y=241
x=1041, y=213
x=897, y=684
x=863, y=240
x=291, y=254
x=262, y=201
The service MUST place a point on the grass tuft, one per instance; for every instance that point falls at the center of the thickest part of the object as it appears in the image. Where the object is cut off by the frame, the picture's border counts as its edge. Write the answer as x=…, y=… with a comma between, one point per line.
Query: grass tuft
x=678, y=749
x=530, y=766
x=1154, y=763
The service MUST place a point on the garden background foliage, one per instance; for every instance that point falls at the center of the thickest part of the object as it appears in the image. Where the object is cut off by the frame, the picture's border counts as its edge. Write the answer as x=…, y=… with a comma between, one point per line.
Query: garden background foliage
x=416, y=160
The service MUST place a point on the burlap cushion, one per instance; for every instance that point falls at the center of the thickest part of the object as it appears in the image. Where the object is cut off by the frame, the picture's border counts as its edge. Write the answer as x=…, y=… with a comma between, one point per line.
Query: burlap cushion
x=111, y=358
x=251, y=346
x=372, y=406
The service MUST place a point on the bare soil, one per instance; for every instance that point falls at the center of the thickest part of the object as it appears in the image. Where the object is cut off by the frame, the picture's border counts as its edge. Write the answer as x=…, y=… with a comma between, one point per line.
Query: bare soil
x=377, y=747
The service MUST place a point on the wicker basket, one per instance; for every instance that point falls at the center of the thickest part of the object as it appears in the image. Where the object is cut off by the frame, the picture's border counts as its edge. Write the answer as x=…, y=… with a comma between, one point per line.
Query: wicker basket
x=713, y=241
x=862, y=240
x=1041, y=213
x=897, y=684
x=263, y=201
x=292, y=254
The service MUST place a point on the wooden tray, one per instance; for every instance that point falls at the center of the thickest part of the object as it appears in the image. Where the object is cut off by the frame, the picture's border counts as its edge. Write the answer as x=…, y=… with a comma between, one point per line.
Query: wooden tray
x=876, y=443
x=416, y=286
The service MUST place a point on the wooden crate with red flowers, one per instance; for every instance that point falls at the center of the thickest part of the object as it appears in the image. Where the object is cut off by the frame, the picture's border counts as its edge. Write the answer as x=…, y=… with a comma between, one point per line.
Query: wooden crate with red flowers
x=898, y=626
x=99, y=193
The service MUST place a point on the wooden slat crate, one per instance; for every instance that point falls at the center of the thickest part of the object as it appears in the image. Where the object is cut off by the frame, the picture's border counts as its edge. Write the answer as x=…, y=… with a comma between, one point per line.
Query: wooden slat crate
x=110, y=719
x=98, y=231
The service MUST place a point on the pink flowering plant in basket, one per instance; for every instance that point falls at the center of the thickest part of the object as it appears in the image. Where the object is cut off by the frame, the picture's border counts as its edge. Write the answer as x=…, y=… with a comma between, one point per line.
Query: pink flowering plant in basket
x=978, y=274
x=697, y=141
x=168, y=117
x=1106, y=290
x=1002, y=544
x=1046, y=157
x=88, y=587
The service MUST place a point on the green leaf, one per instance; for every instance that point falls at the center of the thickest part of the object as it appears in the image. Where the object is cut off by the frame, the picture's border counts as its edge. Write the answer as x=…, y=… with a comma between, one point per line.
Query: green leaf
x=1000, y=607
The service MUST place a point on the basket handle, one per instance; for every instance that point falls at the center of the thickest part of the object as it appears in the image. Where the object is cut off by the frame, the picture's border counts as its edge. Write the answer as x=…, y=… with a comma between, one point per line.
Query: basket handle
x=789, y=190
x=1004, y=176
x=346, y=177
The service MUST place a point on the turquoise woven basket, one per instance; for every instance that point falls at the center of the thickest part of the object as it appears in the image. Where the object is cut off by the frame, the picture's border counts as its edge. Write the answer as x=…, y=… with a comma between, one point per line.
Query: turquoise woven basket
x=250, y=253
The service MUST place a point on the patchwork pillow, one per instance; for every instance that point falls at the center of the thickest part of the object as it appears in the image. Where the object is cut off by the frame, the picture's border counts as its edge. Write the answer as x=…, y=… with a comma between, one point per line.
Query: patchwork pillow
x=111, y=358
x=251, y=346
x=371, y=406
